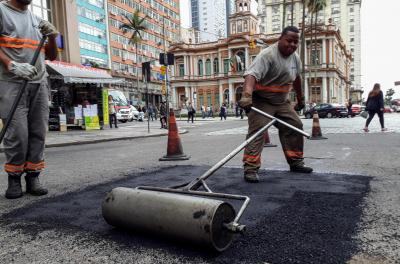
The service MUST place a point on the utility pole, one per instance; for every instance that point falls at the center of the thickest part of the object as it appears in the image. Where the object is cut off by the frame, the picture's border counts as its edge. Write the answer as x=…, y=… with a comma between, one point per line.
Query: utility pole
x=166, y=71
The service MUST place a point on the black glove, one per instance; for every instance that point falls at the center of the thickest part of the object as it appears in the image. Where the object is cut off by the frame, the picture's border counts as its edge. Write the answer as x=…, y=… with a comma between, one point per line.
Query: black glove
x=246, y=102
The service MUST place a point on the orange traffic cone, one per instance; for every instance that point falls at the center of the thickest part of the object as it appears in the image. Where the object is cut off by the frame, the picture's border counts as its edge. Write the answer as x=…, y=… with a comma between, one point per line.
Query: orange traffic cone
x=267, y=142
x=316, y=129
x=174, y=149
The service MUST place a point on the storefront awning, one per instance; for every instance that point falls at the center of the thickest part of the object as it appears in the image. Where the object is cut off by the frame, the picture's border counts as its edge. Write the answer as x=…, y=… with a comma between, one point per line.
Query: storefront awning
x=72, y=73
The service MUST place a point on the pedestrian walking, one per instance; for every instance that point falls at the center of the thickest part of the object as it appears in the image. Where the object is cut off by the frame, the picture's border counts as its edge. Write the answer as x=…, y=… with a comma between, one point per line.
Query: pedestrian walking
x=150, y=112
x=112, y=112
x=24, y=141
x=241, y=113
x=141, y=114
x=375, y=105
x=222, y=112
x=155, y=112
x=237, y=109
x=211, y=112
x=268, y=80
x=349, y=110
x=163, y=115
x=203, y=111
x=191, y=112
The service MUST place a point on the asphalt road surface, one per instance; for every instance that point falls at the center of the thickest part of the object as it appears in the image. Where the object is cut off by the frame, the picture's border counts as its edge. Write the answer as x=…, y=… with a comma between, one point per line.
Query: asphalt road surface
x=345, y=212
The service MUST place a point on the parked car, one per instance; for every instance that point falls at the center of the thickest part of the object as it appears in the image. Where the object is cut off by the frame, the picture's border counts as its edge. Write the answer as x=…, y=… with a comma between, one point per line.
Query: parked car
x=387, y=109
x=124, y=111
x=327, y=110
x=356, y=109
x=134, y=113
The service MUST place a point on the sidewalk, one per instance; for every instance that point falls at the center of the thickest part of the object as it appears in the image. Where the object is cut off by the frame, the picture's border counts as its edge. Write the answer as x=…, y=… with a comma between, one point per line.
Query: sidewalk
x=79, y=137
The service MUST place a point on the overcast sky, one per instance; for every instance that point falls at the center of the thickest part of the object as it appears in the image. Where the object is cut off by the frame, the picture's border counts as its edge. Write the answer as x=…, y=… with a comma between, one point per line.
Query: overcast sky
x=380, y=42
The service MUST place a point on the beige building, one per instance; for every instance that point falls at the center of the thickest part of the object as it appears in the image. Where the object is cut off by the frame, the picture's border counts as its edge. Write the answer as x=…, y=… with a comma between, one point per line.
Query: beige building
x=211, y=73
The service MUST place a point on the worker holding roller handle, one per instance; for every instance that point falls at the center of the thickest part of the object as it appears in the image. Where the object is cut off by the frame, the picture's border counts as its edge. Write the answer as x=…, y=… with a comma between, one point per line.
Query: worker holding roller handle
x=268, y=80
x=20, y=34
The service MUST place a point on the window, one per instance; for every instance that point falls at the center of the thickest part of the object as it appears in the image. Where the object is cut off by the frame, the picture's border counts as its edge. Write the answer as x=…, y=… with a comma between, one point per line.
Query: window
x=208, y=67
x=351, y=10
x=216, y=66
x=200, y=68
x=226, y=66
x=351, y=39
x=315, y=57
x=181, y=70
x=352, y=28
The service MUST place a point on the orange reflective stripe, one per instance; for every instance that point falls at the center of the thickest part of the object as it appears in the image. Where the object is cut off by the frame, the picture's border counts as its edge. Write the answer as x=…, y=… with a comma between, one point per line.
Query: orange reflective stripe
x=18, y=46
x=10, y=39
x=35, y=165
x=250, y=158
x=293, y=154
x=13, y=168
x=273, y=88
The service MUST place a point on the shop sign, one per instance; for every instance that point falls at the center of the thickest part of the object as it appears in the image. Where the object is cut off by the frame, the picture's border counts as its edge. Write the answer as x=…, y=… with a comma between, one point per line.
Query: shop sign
x=105, y=107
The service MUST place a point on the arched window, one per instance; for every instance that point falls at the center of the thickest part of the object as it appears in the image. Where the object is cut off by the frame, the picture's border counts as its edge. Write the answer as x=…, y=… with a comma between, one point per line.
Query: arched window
x=216, y=66
x=226, y=96
x=208, y=67
x=200, y=68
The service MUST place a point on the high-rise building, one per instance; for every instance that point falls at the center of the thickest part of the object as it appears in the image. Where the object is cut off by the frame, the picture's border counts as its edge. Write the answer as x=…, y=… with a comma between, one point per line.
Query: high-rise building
x=92, y=27
x=210, y=18
x=345, y=14
x=163, y=24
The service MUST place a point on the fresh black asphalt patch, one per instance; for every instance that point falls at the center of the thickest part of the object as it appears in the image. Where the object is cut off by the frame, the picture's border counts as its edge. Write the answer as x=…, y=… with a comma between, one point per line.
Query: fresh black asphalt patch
x=292, y=218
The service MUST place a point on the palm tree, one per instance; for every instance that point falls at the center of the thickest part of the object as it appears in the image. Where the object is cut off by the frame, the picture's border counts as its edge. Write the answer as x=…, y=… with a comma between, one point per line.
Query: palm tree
x=136, y=25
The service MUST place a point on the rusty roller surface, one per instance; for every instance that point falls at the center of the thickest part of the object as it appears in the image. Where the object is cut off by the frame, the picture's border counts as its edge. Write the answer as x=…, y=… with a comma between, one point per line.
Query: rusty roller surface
x=197, y=219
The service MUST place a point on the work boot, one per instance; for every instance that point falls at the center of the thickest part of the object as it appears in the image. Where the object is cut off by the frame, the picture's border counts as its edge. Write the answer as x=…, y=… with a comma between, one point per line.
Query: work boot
x=14, y=187
x=251, y=176
x=33, y=185
x=301, y=169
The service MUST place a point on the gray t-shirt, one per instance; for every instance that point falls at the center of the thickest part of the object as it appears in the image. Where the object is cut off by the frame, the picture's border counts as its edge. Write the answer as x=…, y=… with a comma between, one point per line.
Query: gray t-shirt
x=270, y=68
x=19, y=37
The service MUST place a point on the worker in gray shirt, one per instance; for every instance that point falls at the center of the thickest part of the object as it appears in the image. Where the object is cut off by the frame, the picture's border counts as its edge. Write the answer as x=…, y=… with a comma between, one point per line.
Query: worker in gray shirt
x=268, y=81
x=21, y=32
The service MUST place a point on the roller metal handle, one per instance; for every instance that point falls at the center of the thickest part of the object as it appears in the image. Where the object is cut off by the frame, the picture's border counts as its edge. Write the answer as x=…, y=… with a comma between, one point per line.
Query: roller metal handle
x=280, y=121
x=21, y=91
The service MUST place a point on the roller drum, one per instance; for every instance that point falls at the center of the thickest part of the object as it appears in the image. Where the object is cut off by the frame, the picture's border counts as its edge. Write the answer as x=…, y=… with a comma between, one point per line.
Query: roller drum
x=193, y=218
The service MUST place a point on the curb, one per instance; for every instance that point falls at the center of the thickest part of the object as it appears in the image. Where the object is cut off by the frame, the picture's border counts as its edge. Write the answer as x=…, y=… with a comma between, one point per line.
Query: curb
x=56, y=145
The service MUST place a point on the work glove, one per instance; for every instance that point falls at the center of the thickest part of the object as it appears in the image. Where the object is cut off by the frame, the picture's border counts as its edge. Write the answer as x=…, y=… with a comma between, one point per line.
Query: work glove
x=22, y=70
x=246, y=102
x=47, y=29
x=299, y=106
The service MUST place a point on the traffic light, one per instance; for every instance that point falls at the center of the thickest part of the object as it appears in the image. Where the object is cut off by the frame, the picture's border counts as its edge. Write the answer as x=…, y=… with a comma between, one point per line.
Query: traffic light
x=167, y=60
x=163, y=70
x=252, y=44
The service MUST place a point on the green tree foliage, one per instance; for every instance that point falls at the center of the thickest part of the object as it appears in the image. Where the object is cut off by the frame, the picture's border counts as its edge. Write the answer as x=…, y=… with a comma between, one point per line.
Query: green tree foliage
x=389, y=96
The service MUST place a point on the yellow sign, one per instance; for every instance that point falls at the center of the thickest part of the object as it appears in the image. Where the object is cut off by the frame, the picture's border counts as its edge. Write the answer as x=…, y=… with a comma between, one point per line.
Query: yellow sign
x=163, y=90
x=92, y=123
x=105, y=107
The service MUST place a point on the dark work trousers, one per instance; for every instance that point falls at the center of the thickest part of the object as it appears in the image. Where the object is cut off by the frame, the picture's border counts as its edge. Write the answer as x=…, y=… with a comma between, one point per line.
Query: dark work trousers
x=113, y=119
x=371, y=115
x=24, y=140
x=190, y=116
x=292, y=142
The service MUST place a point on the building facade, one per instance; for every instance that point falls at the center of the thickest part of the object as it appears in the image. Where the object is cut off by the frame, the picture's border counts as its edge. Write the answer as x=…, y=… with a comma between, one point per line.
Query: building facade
x=163, y=25
x=212, y=73
x=345, y=14
x=92, y=28
x=210, y=18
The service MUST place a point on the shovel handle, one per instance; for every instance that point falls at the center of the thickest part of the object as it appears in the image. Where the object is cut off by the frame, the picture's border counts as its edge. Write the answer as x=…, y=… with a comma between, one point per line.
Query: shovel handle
x=21, y=91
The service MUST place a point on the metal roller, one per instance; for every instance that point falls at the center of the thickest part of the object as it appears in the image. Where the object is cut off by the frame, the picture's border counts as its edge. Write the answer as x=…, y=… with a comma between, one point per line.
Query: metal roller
x=182, y=211
x=197, y=219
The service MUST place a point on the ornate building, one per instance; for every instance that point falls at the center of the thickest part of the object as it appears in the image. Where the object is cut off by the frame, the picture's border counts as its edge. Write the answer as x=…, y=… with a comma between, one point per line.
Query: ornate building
x=212, y=73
